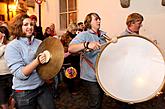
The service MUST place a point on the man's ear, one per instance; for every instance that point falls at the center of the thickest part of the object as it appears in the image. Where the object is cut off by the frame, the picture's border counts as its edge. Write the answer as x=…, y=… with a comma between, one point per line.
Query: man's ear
x=125, y=3
x=163, y=2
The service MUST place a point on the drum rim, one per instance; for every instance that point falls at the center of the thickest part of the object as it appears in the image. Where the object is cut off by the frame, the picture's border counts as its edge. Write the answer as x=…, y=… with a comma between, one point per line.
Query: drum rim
x=129, y=101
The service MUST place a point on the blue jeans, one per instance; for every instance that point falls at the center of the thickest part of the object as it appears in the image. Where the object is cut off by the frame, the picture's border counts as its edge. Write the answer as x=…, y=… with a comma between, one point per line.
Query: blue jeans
x=95, y=94
x=39, y=98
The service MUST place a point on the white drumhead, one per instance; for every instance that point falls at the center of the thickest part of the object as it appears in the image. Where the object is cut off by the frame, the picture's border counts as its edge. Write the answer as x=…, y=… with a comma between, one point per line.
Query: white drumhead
x=131, y=70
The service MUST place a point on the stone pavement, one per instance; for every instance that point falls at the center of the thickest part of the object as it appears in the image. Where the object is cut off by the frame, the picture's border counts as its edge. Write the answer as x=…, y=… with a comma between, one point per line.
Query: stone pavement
x=66, y=100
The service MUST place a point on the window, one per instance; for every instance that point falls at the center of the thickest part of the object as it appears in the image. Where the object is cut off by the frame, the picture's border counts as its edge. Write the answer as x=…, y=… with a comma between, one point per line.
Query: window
x=68, y=13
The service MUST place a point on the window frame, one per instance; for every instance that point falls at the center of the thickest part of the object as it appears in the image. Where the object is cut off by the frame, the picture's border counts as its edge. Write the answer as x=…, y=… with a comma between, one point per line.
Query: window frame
x=67, y=13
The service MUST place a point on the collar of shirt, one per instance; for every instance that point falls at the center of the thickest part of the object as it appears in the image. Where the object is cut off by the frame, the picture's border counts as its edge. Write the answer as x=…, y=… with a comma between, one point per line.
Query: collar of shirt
x=27, y=40
x=100, y=32
x=129, y=31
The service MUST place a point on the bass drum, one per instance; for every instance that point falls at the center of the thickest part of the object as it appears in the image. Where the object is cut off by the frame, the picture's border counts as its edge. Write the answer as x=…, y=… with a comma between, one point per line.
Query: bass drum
x=131, y=70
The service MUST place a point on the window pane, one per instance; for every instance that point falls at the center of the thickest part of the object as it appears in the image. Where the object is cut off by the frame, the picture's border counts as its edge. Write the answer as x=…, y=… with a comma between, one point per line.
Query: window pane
x=73, y=17
x=63, y=21
x=63, y=6
x=72, y=5
x=2, y=17
x=68, y=13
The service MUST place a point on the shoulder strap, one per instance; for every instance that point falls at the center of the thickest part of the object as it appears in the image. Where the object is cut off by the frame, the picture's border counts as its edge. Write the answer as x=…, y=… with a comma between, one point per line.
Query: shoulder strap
x=88, y=62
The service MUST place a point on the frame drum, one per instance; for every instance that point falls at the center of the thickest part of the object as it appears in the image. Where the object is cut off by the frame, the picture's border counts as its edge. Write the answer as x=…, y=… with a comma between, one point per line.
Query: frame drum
x=131, y=70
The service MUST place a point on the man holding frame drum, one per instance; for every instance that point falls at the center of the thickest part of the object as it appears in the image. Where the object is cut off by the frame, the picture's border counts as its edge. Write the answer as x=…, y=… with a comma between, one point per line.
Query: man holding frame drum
x=134, y=23
x=89, y=42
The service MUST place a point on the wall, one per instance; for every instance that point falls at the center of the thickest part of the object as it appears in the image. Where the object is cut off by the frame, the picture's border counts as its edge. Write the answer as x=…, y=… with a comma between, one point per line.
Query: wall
x=113, y=16
x=50, y=14
x=3, y=10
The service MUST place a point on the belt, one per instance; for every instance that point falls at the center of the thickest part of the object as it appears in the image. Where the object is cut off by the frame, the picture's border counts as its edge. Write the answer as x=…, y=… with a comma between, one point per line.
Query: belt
x=18, y=91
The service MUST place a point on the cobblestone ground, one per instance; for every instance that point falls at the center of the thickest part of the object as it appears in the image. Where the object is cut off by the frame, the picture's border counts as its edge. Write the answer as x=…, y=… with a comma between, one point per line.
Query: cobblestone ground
x=65, y=100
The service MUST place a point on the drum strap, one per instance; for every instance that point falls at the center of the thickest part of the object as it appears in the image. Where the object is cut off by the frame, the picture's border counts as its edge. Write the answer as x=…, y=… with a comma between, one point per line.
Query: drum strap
x=88, y=62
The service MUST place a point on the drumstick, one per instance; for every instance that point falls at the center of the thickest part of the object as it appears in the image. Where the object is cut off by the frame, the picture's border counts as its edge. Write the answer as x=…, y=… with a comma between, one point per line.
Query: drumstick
x=110, y=40
x=106, y=37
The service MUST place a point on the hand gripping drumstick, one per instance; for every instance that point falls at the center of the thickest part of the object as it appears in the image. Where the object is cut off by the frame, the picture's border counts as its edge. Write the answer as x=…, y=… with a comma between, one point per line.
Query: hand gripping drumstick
x=108, y=39
x=111, y=40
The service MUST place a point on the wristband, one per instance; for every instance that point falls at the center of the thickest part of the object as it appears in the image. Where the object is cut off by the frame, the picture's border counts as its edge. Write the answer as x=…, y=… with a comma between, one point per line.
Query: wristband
x=87, y=45
x=84, y=45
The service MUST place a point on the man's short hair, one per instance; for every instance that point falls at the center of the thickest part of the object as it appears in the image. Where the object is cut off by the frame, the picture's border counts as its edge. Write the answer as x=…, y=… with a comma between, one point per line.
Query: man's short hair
x=80, y=23
x=134, y=17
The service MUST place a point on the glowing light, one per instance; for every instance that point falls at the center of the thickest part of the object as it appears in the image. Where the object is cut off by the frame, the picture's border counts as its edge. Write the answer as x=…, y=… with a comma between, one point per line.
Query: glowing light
x=140, y=82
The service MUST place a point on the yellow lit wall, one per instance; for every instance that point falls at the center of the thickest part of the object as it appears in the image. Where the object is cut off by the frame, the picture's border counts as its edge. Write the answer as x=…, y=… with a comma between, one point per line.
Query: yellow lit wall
x=12, y=10
x=3, y=10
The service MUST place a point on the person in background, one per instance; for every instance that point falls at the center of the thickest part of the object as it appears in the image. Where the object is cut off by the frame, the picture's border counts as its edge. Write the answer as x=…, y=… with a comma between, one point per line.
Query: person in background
x=89, y=42
x=37, y=29
x=47, y=33
x=30, y=91
x=134, y=23
x=5, y=74
x=80, y=26
x=52, y=84
x=5, y=24
x=52, y=28
x=72, y=59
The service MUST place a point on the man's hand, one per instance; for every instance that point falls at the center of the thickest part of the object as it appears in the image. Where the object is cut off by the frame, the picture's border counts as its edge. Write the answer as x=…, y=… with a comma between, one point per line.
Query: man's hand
x=114, y=40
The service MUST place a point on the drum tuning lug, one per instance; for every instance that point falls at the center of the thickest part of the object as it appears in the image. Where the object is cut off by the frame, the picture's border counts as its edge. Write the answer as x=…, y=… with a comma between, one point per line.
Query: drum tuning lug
x=106, y=94
x=159, y=93
x=131, y=102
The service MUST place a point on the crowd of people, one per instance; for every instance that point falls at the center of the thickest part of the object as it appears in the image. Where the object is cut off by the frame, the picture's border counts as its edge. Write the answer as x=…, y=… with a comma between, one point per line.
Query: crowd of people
x=19, y=80
x=5, y=74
